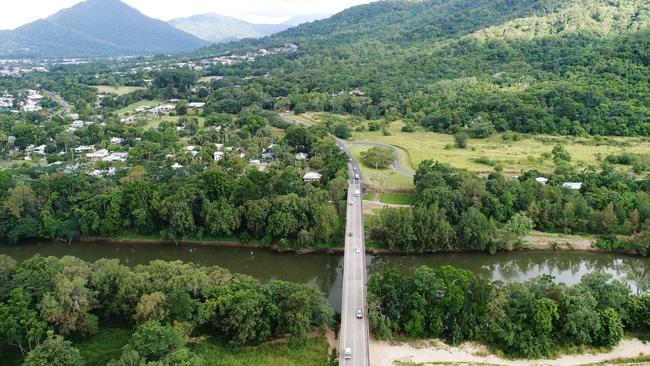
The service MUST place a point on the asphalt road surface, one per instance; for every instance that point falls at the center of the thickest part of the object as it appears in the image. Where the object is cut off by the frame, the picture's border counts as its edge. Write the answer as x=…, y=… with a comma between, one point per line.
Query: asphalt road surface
x=354, y=331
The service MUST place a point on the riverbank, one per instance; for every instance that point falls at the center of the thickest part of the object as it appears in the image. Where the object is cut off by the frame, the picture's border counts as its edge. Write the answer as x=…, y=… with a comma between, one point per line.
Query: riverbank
x=434, y=352
x=535, y=242
x=210, y=243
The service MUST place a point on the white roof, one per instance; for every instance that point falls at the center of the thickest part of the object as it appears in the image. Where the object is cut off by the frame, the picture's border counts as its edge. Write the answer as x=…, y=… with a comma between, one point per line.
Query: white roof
x=572, y=185
x=541, y=180
x=312, y=176
x=98, y=154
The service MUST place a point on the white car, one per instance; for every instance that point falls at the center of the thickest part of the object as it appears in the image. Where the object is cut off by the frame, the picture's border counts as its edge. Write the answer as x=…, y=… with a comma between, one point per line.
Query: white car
x=359, y=313
x=357, y=250
x=348, y=353
x=351, y=203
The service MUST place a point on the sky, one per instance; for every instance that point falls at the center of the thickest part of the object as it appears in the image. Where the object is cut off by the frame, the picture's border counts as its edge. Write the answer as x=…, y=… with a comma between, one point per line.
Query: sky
x=14, y=13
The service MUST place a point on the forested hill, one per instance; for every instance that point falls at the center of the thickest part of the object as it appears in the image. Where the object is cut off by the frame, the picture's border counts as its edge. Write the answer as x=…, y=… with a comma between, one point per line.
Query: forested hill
x=569, y=66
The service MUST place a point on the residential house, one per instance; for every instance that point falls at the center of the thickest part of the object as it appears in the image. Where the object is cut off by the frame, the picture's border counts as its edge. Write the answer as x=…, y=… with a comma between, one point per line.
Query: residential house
x=98, y=155
x=117, y=140
x=541, y=180
x=84, y=149
x=312, y=177
x=576, y=186
x=117, y=156
x=196, y=105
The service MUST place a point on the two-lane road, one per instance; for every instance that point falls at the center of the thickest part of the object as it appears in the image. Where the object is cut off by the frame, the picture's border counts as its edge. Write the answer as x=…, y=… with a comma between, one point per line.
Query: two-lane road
x=354, y=330
x=354, y=333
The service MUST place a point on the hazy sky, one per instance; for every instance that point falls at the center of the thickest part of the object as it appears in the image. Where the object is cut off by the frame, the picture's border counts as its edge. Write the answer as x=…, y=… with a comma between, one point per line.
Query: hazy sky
x=14, y=13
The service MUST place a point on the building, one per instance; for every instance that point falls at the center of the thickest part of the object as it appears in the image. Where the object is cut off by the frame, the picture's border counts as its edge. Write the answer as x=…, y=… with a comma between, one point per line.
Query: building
x=98, y=155
x=301, y=156
x=84, y=149
x=78, y=124
x=541, y=180
x=129, y=120
x=117, y=140
x=196, y=105
x=118, y=156
x=576, y=186
x=218, y=155
x=312, y=177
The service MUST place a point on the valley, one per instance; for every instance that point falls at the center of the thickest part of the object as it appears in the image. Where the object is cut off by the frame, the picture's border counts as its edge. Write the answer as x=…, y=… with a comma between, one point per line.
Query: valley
x=402, y=182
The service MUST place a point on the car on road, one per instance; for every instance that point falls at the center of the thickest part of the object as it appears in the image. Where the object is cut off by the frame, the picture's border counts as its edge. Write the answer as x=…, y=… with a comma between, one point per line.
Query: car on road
x=354, y=168
x=356, y=176
x=351, y=203
x=348, y=353
x=350, y=233
x=359, y=313
x=358, y=250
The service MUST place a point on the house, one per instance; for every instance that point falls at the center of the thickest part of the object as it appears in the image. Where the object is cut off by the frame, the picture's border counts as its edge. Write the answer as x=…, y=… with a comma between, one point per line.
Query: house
x=218, y=155
x=98, y=155
x=541, y=180
x=219, y=146
x=576, y=186
x=142, y=109
x=129, y=120
x=39, y=150
x=78, y=124
x=196, y=105
x=268, y=156
x=117, y=140
x=101, y=173
x=162, y=109
x=312, y=177
x=6, y=102
x=176, y=166
x=84, y=149
x=301, y=156
x=118, y=156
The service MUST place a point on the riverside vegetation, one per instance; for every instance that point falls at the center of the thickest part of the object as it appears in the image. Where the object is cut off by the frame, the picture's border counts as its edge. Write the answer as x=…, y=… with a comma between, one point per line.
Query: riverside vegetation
x=166, y=309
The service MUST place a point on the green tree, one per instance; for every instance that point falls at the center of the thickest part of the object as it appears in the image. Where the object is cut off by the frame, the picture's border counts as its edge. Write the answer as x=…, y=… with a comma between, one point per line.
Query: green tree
x=54, y=351
x=378, y=158
x=20, y=324
x=475, y=231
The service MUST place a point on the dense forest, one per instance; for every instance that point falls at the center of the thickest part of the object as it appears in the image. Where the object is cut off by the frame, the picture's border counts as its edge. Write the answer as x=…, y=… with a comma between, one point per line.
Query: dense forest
x=459, y=209
x=534, y=319
x=45, y=303
x=576, y=67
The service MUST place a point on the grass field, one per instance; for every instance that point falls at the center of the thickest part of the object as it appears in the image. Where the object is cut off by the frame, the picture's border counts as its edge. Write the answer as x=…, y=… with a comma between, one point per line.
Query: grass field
x=396, y=199
x=107, y=345
x=482, y=155
x=130, y=109
x=117, y=90
x=104, y=346
x=312, y=353
x=382, y=179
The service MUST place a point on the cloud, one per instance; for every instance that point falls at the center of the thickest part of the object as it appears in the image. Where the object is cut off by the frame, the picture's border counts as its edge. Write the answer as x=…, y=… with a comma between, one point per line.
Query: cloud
x=16, y=13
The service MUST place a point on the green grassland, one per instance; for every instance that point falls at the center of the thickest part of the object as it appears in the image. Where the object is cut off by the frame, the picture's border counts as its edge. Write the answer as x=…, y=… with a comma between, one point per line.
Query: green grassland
x=482, y=155
x=107, y=345
x=117, y=90
x=515, y=156
x=312, y=353
x=382, y=179
x=396, y=199
x=130, y=109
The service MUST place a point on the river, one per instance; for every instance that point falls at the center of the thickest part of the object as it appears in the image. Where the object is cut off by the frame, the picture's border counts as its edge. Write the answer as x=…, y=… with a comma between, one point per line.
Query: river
x=324, y=270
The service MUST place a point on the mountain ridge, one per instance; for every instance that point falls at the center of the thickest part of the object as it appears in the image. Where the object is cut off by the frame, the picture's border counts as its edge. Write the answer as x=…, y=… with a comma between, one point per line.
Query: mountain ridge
x=96, y=28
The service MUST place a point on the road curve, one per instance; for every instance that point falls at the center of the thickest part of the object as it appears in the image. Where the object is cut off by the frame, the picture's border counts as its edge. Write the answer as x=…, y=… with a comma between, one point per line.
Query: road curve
x=397, y=166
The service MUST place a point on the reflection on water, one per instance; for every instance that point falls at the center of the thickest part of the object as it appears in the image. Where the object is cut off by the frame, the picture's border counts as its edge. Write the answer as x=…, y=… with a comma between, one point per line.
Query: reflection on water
x=324, y=271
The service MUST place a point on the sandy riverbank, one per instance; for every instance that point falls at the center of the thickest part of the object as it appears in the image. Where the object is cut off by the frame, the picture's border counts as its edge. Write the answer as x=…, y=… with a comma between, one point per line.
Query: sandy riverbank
x=431, y=353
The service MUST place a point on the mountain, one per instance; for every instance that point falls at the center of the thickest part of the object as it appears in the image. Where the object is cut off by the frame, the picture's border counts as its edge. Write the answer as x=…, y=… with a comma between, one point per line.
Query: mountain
x=543, y=66
x=96, y=28
x=219, y=28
